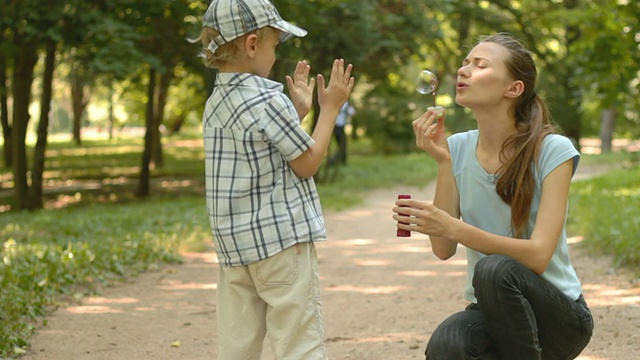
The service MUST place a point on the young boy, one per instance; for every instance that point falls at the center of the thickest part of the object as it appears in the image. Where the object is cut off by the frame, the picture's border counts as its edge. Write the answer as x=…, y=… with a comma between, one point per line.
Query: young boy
x=260, y=195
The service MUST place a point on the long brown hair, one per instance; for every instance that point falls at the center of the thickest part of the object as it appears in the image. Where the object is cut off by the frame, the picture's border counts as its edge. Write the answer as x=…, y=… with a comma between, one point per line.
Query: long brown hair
x=515, y=183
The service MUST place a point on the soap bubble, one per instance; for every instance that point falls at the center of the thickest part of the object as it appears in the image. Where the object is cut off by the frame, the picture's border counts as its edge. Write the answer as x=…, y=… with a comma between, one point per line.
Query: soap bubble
x=427, y=82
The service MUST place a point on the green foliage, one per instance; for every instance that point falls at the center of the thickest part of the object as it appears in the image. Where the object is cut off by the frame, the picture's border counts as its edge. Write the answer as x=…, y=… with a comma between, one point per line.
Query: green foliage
x=605, y=211
x=607, y=58
x=379, y=38
x=53, y=255
x=387, y=117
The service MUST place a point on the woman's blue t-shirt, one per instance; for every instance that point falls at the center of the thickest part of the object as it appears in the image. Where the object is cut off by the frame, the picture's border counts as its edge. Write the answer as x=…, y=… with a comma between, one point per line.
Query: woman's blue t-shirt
x=481, y=206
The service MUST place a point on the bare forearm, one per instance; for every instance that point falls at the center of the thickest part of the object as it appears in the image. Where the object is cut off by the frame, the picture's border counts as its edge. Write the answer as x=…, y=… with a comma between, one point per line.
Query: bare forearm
x=530, y=252
x=446, y=199
x=307, y=164
x=322, y=135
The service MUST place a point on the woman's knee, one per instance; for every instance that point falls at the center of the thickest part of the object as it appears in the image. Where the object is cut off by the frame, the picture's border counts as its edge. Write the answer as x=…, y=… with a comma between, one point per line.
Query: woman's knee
x=491, y=268
x=458, y=336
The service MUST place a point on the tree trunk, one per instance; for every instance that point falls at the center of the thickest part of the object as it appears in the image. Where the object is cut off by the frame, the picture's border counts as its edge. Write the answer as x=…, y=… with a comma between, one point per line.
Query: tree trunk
x=143, y=185
x=4, y=113
x=161, y=93
x=25, y=62
x=176, y=124
x=608, y=117
x=80, y=100
x=112, y=119
x=571, y=104
x=43, y=125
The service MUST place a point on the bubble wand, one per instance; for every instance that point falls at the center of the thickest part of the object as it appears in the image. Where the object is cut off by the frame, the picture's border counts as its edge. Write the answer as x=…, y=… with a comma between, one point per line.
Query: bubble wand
x=427, y=84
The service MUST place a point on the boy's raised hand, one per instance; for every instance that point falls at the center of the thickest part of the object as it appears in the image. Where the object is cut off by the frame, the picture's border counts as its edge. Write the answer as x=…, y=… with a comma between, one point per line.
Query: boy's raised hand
x=339, y=88
x=301, y=88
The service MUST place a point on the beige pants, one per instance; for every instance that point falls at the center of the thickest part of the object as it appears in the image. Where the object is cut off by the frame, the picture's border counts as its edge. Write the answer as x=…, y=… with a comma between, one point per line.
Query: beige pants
x=279, y=295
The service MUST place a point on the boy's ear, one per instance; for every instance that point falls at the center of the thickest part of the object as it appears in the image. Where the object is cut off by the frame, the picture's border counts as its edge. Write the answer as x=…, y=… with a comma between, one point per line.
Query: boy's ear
x=250, y=44
x=515, y=89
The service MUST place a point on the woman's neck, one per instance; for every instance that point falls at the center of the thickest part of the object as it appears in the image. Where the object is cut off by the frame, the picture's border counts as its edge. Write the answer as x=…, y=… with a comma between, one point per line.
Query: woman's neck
x=494, y=129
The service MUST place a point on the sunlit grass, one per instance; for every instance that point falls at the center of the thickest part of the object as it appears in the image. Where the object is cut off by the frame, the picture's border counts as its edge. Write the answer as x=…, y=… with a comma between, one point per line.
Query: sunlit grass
x=58, y=254
x=605, y=210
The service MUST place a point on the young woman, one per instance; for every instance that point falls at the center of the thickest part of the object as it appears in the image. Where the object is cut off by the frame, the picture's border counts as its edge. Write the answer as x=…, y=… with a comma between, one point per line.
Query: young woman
x=502, y=192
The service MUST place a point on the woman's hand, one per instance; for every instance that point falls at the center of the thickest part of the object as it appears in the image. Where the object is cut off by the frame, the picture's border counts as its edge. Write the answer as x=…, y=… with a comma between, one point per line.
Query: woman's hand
x=301, y=88
x=430, y=135
x=423, y=217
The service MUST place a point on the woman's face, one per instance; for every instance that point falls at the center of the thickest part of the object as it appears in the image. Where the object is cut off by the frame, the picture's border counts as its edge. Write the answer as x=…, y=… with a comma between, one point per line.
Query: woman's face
x=483, y=78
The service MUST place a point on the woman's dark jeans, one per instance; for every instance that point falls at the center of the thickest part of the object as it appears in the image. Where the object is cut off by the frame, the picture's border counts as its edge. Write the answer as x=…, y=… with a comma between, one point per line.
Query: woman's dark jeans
x=519, y=316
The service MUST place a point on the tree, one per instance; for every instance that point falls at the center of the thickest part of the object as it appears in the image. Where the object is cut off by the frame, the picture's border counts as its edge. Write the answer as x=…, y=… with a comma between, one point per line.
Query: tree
x=607, y=61
x=24, y=38
x=100, y=39
x=43, y=125
x=4, y=110
x=80, y=94
x=144, y=181
x=164, y=43
x=23, y=24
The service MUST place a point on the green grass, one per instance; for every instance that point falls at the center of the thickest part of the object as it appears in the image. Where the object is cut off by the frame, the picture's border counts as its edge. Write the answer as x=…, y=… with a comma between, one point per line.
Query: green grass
x=605, y=210
x=89, y=237
x=57, y=255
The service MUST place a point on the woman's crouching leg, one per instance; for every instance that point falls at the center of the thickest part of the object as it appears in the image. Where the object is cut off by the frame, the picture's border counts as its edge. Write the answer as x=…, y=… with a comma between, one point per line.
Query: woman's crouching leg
x=463, y=335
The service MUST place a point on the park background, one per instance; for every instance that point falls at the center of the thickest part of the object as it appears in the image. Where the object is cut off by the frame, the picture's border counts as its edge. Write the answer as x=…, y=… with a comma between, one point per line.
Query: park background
x=100, y=104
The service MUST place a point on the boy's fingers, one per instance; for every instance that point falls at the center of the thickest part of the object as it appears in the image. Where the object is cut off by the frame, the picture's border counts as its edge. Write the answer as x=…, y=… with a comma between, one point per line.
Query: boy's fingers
x=334, y=69
x=305, y=69
x=321, y=84
x=347, y=73
x=302, y=71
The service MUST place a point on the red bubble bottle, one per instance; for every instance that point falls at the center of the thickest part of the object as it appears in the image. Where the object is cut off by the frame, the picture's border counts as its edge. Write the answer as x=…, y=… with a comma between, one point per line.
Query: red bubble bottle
x=402, y=232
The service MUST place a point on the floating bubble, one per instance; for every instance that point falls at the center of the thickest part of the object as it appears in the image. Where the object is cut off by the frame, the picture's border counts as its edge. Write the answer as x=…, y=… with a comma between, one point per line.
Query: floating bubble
x=427, y=82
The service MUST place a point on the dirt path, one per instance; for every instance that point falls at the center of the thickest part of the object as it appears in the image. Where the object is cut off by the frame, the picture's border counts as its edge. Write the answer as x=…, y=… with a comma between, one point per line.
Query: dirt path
x=382, y=296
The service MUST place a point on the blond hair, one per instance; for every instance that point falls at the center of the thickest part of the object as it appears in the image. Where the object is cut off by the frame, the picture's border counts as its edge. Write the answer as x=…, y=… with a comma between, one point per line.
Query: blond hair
x=228, y=52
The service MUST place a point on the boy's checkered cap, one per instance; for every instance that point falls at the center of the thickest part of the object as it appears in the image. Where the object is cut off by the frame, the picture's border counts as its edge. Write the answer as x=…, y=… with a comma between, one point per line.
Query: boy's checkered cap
x=234, y=18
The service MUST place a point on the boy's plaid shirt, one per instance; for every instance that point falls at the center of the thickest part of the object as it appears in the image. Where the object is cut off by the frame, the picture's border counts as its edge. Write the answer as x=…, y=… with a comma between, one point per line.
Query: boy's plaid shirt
x=257, y=205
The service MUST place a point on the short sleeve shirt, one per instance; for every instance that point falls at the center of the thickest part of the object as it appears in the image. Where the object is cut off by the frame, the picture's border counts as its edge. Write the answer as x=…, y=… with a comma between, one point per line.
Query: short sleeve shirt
x=257, y=205
x=483, y=208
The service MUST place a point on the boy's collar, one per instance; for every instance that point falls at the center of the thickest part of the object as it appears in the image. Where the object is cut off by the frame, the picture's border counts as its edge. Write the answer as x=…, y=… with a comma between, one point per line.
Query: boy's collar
x=243, y=78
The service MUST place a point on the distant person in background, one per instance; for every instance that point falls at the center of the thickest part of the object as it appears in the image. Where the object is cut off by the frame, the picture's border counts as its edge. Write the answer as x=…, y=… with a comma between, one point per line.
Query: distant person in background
x=345, y=114
x=502, y=191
